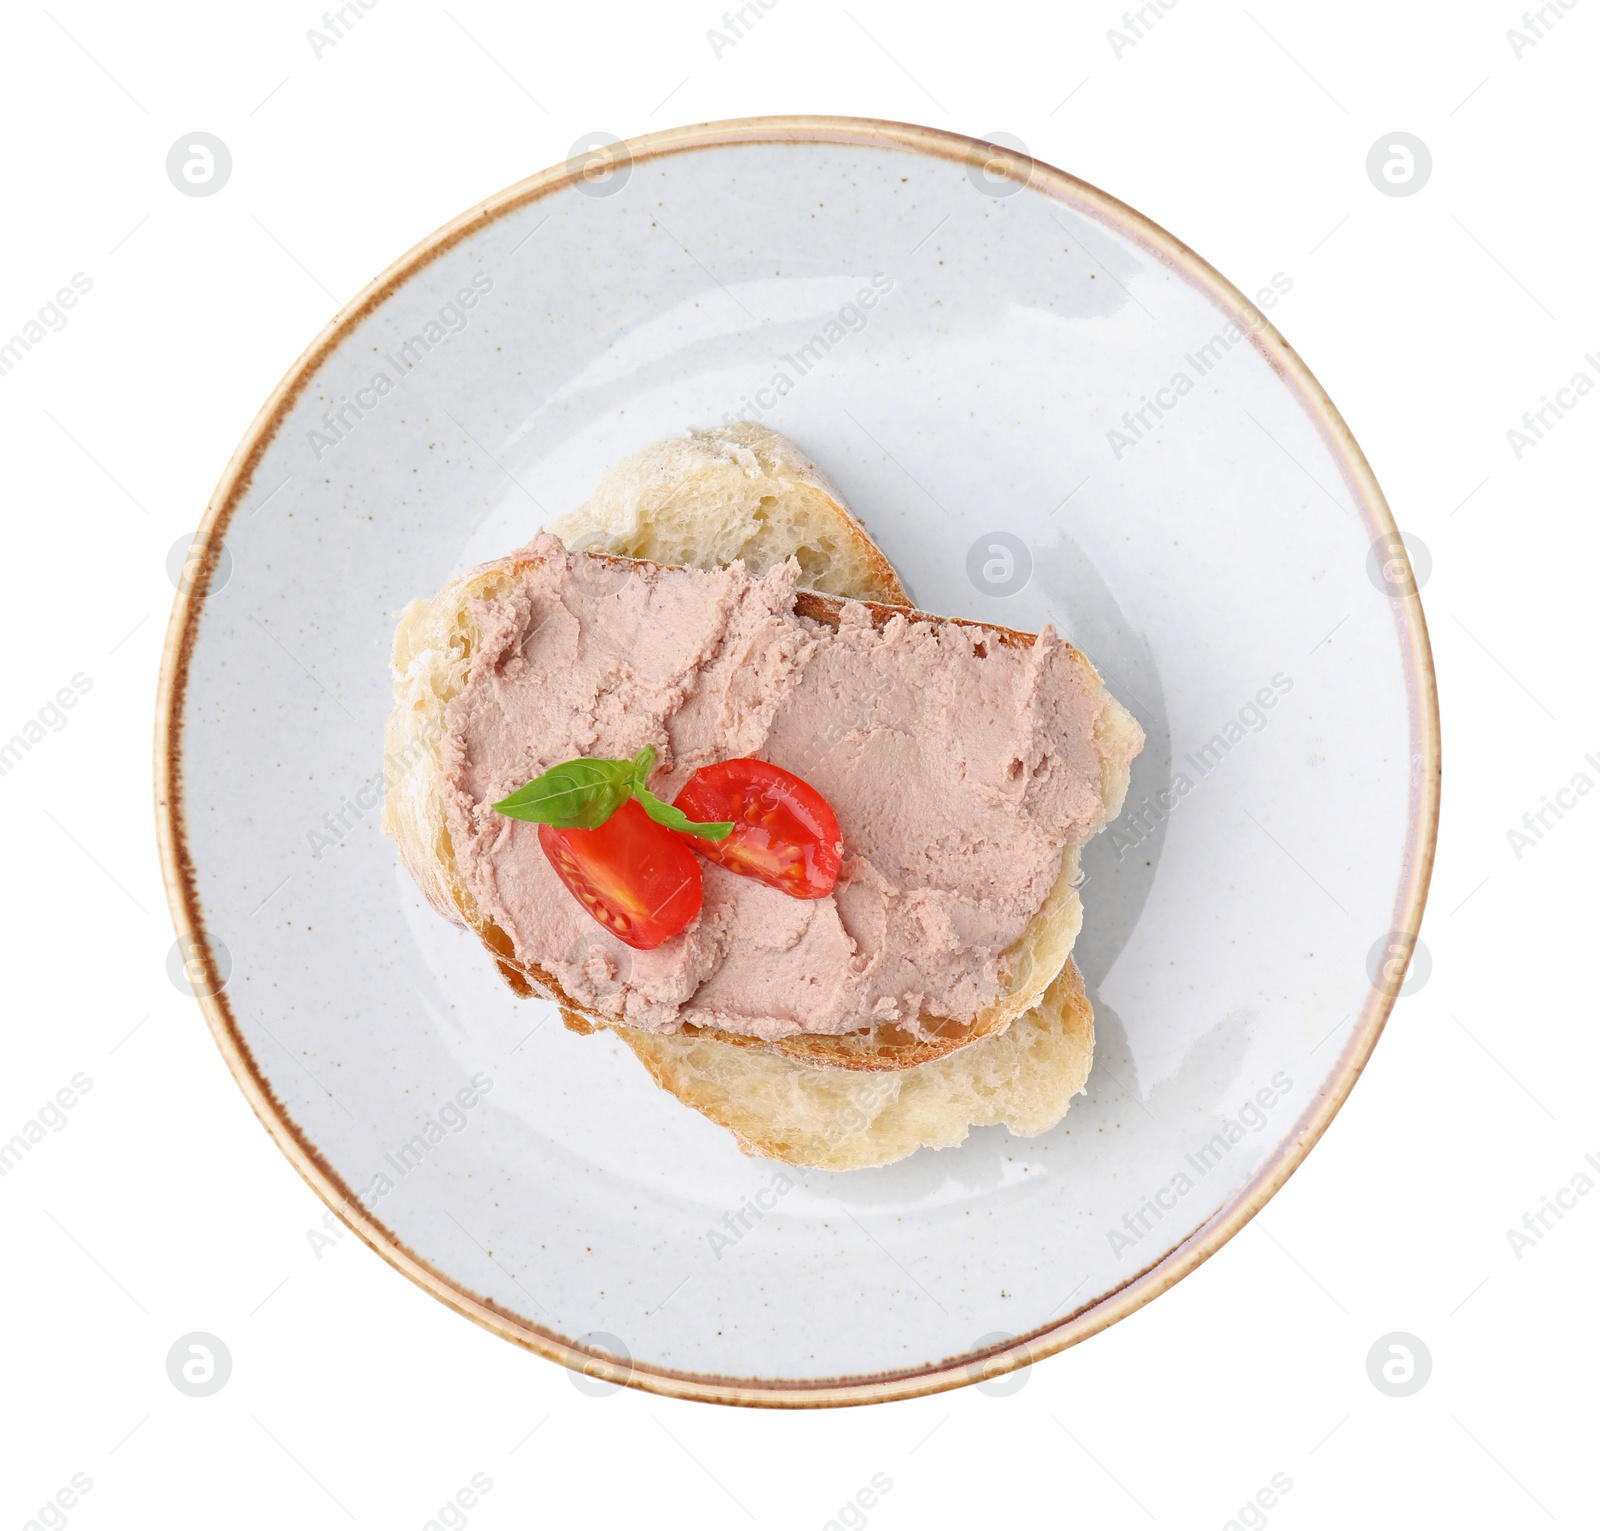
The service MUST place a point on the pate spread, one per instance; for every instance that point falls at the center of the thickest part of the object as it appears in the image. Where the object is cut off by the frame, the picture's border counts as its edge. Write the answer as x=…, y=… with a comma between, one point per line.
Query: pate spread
x=959, y=769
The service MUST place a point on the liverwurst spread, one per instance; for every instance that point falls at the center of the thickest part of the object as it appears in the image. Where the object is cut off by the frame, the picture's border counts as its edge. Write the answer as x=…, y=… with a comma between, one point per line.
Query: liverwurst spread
x=959, y=768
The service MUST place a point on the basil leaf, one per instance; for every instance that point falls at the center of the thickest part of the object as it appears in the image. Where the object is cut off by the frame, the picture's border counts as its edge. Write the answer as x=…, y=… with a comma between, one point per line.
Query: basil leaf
x=584, y=793
x=676, y=818
x=579, y=794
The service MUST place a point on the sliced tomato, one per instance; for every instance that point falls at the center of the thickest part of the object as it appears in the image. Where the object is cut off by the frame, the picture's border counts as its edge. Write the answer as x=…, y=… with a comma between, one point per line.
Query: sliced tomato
x=637, y=879
x=784, y=832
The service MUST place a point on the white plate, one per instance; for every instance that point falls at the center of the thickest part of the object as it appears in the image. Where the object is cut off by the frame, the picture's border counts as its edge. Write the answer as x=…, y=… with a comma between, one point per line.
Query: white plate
x=1228, y=562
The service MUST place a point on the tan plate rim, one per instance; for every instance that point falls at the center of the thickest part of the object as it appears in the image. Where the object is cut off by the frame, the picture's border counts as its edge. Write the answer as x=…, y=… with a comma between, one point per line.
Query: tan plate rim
x=1411, y=895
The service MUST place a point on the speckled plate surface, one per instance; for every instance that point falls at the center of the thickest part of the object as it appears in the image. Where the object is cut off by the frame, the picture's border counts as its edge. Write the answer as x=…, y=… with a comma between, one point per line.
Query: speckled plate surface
x=1052, y=411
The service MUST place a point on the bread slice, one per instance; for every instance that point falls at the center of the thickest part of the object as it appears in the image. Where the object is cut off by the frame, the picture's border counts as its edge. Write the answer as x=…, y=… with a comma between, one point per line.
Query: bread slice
x=741, y=491
x=831, y=1119
x=962, y=1076
x=433, y=652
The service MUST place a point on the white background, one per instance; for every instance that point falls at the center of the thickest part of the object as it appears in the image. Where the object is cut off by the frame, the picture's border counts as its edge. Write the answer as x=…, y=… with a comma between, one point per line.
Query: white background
x=161, y=1207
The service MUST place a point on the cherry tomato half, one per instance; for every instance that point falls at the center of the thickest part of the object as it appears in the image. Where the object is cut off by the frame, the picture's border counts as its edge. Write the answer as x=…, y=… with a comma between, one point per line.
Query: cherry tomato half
x=636, y=878
x=784, y=832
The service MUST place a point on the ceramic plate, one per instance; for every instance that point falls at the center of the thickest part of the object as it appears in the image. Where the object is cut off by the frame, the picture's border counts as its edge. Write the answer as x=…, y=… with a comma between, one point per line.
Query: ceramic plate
x=1052, y=412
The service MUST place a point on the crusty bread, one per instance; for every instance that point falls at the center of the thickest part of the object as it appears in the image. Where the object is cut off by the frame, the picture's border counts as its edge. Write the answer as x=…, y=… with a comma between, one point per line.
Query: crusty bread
x=834, y=1120
x=959, y=1077
x=741, y=491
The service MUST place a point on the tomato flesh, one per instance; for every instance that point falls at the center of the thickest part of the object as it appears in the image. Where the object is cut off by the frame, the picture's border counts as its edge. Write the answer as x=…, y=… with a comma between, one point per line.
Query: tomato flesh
x=634, y=877
x=784, y=832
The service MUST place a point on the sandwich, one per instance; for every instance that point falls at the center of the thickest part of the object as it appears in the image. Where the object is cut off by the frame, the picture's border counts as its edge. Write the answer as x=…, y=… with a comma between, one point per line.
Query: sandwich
x=693, y=768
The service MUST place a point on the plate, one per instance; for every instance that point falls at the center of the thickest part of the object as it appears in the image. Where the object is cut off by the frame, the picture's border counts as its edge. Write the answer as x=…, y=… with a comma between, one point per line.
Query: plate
x=1048, y=410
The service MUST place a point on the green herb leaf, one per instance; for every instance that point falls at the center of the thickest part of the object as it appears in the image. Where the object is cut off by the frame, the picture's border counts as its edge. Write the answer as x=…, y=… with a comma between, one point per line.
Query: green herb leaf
x=584, y=793
x=676, y=818
x=580, y=794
